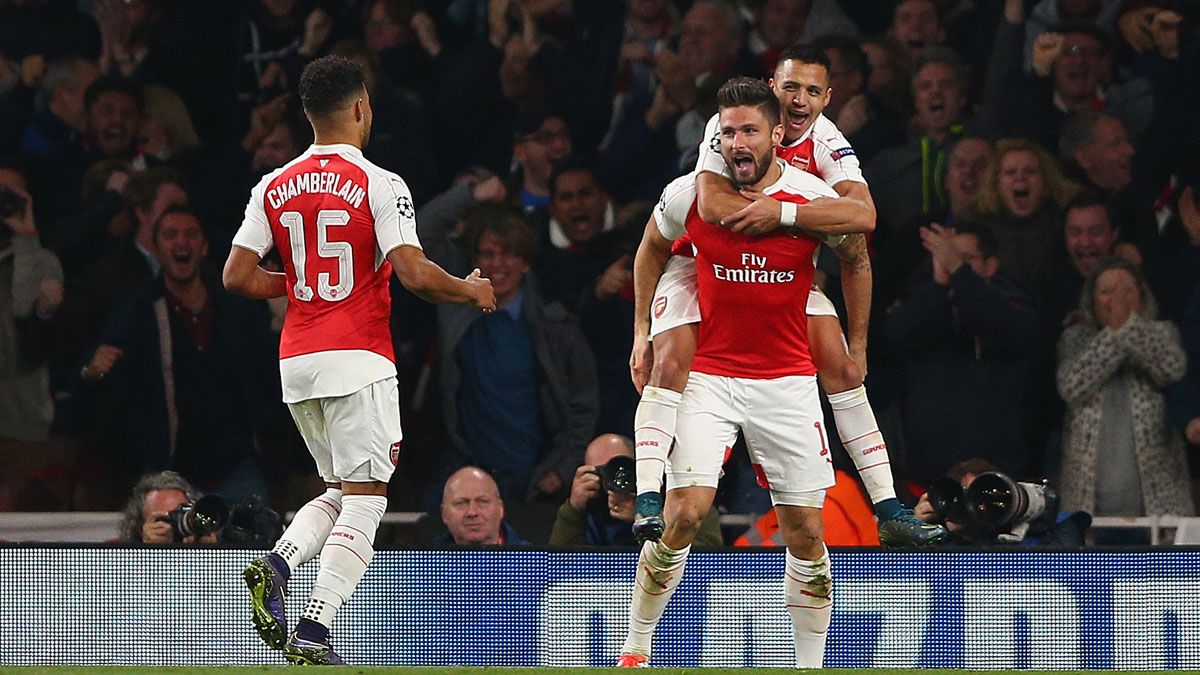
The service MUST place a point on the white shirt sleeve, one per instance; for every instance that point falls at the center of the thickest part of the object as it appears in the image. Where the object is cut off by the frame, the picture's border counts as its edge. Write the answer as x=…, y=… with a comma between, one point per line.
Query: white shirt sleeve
x=835, y=157
x=255, y=232
x=670, y=214
x=710, y=149
x=394, y=212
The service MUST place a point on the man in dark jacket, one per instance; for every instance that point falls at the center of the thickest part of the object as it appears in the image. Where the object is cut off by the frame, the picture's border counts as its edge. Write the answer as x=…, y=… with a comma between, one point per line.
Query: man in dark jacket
x=968, y=335
x=518, y=385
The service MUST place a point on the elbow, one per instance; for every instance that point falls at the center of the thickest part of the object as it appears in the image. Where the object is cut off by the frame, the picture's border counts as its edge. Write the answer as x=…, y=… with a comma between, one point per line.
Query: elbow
x=233, y=281
x=865, y=222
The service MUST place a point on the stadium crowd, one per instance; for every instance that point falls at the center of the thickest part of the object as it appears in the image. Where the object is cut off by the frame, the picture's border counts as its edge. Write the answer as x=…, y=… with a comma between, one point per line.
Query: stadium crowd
x=1034, y=166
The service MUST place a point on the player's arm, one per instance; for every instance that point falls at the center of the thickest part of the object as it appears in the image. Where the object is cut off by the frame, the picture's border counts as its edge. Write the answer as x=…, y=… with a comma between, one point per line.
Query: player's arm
x=425, y=279
x=755, y=213
x=648, y=265
x=856, y=291
x=242, y=275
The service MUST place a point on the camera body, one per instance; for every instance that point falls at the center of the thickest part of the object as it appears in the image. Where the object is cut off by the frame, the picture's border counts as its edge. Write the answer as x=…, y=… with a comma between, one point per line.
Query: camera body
x=619, y=475
x=994, y=504
x=199, y=518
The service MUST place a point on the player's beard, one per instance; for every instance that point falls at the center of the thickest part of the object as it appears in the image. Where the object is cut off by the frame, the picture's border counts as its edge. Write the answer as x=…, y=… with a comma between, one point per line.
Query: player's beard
x=762, y=164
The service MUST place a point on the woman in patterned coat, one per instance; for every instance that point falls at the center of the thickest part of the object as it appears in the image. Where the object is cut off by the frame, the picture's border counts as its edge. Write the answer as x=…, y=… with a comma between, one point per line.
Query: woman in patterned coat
x=1120, y=455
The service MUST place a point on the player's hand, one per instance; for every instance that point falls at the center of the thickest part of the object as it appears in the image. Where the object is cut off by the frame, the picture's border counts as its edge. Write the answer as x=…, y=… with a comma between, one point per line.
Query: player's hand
x=481, y=288
x=102, y=362
x=157, y=530
x=549, y=483
x=641, y=358
x=584, y=487
x=758, y=217
x=1046, y=49
x=617, y=276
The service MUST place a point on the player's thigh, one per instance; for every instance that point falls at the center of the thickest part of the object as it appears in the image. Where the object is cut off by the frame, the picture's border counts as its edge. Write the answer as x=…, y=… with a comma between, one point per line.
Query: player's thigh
x=705, y=430
x=676, y=301
x=786, y=436
x=364, y=432
x=310, y=422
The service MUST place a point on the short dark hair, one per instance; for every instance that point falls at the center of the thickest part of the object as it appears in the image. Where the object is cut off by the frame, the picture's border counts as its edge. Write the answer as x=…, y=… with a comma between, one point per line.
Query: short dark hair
x=805, y=53
x=328, y=83
x=939, y=54
x=506, y=223
x=989, y=245
x=1078, y=131
x=572, y=163
x=142, y=189
x=1087, y=199
x=750, y=91
x=108, y=83
x=176, y=210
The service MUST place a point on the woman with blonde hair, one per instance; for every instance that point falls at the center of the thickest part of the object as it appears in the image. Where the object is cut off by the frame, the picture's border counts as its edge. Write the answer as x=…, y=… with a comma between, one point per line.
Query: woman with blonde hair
x=167, y=131
x=1023, y=199
x=1121, y=457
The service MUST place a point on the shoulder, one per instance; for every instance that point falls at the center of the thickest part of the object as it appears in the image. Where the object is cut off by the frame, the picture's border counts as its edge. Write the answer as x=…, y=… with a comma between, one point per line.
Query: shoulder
x=804, y=184
x=677, y=197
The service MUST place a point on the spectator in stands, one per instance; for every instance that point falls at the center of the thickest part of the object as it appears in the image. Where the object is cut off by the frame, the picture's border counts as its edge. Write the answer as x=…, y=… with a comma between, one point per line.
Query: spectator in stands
x=167, y=132
x=600, y=510
x=1120, y=455
x=144, y=518
x=186, y=370
x=907, y=179
x=286, y=139
x=473, y=511
x=1183, y=399
x=542, y=140
x=578, y=242
x=519, y=385
x=1022, y=200
x=275, y=40
x=860, y=114
x=1047, y=15
x=968, y=334
x=778, y=24
x=900, y=249
x=31, y=289
x=403, y=41
x=917, y=25
x=58, y=127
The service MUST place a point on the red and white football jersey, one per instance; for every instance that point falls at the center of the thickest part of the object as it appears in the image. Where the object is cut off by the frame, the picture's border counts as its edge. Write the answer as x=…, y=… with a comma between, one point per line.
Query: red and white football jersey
x=334, y=216
x=753, y=290
x=822, y=151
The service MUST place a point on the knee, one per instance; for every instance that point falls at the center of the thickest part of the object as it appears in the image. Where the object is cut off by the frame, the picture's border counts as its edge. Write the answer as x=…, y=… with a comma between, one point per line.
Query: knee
x=686, y=523
x=670, y=370
x=805, y=536
x=840, y=374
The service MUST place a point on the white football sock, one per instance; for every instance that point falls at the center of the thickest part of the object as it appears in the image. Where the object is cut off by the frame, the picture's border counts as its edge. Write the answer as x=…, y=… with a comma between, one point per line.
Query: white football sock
x=345, y=556
x=306, y=534
x=860, y=436
x=653, y=433
x=659, y=570
x=808, y=588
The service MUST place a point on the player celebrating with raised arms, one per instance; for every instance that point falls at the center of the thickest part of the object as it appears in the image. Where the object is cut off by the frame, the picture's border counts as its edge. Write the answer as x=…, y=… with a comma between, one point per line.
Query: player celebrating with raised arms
x=811, y=143
x=342, y=226
x=752, y=372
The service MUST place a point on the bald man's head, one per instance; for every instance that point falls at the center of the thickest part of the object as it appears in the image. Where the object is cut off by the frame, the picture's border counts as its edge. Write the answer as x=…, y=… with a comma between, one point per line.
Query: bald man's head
x=471, y=507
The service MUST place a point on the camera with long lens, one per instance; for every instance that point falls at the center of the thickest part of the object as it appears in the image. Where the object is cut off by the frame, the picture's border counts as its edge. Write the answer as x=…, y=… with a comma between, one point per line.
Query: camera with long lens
x=199, y=518
x=619, y=475
x=995, y=503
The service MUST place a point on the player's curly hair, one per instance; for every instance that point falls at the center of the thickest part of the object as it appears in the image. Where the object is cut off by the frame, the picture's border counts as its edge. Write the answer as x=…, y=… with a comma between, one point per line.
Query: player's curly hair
x=328, y=83
x=751, y=91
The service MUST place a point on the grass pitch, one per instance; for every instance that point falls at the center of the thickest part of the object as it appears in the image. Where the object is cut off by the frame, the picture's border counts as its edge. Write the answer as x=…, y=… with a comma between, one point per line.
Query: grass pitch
x=484, y=670
x=489, y=670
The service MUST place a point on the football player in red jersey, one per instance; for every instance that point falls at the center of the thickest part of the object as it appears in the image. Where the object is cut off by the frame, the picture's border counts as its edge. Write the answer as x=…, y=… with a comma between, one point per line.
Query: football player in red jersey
x=752, y=373
x=342, y=225
x=811, y=143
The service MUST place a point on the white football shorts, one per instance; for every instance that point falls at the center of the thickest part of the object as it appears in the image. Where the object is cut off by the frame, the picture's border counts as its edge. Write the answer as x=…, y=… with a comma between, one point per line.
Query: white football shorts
x=676, y=302
x=354, y=438
x=784, y=429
